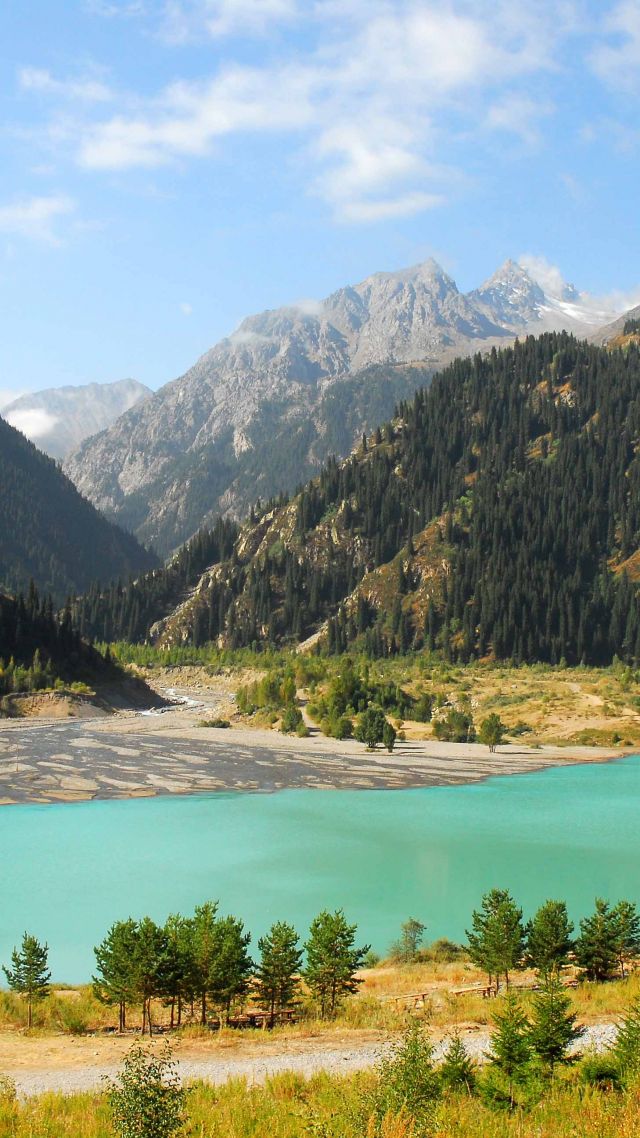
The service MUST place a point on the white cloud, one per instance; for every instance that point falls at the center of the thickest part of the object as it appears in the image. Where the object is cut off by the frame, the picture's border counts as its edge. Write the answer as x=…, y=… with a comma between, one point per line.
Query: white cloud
x=597, y=310
x=185, y=308
x=519, y=114
x=369, y=98
x=7, y=396
x=116, y=9
x=34, y=422
x=404, y=205
x=617, y=60
x=185, y=20
x=87, y=89
x=35, y=217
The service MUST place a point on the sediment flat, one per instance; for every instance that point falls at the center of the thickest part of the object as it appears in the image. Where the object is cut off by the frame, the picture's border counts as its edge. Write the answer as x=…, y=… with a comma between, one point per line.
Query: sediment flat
x=151, y=754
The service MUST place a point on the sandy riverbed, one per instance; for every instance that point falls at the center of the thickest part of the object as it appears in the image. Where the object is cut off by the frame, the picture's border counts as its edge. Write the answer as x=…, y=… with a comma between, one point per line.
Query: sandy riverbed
x=166, y=752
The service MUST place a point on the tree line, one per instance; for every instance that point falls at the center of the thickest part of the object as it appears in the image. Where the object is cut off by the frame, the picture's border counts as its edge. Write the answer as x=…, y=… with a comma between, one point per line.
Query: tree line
x=201, y=964
x=499, y=941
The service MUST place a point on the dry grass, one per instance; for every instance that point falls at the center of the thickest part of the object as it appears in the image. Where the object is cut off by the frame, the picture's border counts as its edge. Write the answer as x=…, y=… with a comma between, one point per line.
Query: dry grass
x=290, y=1107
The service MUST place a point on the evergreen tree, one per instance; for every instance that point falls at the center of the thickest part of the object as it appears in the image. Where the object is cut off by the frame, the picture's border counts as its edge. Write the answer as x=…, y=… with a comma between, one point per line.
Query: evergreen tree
x=553, y=1025
x=496, y=939
x=332, y=960
x=114, y=983
x=277, y=972
x=231, y=966
x=511, y=1048
x=627, y=922
x=548, y=937
x=457, y=1070
x=626, y=1048
x=388, y=735
x=204, y=947
x=597, y=946
x=370, y=727
x=29, y=974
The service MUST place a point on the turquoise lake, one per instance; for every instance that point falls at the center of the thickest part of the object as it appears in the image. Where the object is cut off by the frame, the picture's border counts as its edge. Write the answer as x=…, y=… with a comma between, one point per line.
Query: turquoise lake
x=67, y=872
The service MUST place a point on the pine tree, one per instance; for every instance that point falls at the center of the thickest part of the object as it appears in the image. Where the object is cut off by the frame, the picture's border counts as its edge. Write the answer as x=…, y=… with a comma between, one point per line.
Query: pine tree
x=597, y=946
x=457, y=1070
x=553, y=1025
x=511, y=1047
x=548, y=937
x=627, y=933
x=29, y=975
x=626, y=1048
x=496, y=940
x=277, y=972
x=114, y=983
x=332, y=960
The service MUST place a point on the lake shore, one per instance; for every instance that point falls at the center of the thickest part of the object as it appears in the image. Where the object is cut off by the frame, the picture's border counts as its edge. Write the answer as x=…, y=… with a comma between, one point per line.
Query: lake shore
x=165, y=752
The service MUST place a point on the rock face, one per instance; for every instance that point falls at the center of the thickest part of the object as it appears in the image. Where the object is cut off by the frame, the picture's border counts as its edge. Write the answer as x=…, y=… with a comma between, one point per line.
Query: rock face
x=263, y=408
x=59, y=419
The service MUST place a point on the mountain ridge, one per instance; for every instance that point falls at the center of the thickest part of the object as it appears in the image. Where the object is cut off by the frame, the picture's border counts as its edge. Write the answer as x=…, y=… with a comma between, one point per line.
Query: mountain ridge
x=59, y=419
x=49, y=533
x=170, y=465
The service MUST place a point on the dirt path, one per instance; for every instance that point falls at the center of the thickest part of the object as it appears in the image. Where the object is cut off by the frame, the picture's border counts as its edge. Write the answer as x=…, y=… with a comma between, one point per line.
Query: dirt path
x=216, y=1064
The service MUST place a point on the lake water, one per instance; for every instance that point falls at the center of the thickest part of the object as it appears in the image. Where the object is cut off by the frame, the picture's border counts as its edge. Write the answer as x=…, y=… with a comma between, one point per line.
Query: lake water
x=67, y=872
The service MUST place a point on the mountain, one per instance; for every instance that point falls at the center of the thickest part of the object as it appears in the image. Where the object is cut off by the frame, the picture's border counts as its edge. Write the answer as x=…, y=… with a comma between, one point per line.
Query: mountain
x=59, y=419
x=497, y=516
x=49, y=532
x=265, y=407
x=612, y=332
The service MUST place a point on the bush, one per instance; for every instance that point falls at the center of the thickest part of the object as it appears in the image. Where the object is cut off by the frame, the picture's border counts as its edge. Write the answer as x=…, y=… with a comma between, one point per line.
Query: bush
x=456, y=727
x=214, y=723
x=146, y=1099
x=8, y=1091
x=291, y=720
x=600, y=1071
x=408, y=1081
x=302, y=731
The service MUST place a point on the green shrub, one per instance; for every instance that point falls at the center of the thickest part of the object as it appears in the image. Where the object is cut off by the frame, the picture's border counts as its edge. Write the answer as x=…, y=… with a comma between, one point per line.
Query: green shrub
x=291, y=720
x=214, y=723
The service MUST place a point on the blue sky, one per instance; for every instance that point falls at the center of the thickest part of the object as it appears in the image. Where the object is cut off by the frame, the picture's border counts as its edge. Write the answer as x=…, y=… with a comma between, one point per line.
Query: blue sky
x=169, y=166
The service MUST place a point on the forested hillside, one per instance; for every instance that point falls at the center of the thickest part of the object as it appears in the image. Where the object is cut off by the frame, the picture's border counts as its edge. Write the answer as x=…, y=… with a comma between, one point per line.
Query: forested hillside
x=37, y=647
x=128, y=610
x=49, y=533
x=499, y=513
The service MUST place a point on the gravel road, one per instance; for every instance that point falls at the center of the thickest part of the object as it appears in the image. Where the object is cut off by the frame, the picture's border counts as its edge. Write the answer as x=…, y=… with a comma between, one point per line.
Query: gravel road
x=305, y=1061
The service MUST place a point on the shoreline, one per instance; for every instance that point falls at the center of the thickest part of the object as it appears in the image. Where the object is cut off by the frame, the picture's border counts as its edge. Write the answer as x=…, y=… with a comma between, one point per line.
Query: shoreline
x=151, y=755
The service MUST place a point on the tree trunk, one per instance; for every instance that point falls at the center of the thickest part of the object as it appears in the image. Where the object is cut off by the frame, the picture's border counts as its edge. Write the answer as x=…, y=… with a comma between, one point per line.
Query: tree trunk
x=29, y=1013
x=173, y=1008
x=149, y=1016
x=203, y=1016
x=179, y=1010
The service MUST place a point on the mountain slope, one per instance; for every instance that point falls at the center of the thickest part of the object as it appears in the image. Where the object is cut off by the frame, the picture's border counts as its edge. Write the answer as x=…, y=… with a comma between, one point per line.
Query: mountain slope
x=49, y=532
x=612, y=332
x=499, y=515
x=284, y=377
x=59, y=419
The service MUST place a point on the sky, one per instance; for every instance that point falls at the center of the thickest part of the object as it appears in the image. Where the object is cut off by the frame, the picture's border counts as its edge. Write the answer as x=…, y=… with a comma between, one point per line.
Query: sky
x=170, y=166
